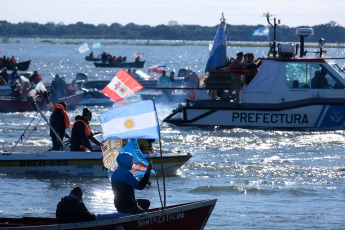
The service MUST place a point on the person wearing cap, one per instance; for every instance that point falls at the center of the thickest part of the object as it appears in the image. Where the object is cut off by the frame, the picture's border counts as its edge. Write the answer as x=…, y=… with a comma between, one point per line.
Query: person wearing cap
x=236, y=69
x=81, y=132
x=123, y=183
x=59, y=120
x=71, y=208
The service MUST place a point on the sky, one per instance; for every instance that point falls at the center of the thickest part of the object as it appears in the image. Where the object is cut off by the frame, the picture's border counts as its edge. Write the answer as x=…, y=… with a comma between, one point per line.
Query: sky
x=292, y=13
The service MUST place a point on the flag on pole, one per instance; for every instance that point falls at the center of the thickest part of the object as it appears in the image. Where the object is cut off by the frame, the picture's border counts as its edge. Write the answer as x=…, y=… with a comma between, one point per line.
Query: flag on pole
x=136, y=120
x=218, y=53
x=83, y=48
x=263, y=32
x=112, y=148
x=138, y=54
x=96, y=45
x=121, y=86
x=157, y=69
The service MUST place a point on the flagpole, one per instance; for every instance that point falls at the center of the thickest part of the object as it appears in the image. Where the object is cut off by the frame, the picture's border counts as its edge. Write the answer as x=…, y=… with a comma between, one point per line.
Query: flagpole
x=161, y=154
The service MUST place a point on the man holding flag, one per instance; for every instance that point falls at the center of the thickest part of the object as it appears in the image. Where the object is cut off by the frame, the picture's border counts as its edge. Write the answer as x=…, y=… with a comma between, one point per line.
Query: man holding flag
x=129, y=122
x=123, y=183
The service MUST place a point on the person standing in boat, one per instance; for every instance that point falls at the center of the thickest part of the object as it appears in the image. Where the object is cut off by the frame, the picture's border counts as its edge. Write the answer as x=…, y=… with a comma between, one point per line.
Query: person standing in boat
x=164, y=81
x=59, y=120
x=71, y=208
x=81, y=132
x=249, y=72
x=123, y=183
x=236, y=70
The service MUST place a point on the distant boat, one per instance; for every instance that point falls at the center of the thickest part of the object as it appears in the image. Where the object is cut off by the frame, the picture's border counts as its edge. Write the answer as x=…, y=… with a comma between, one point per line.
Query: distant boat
x=22, y=66
x=139, y=64
x=95, y=59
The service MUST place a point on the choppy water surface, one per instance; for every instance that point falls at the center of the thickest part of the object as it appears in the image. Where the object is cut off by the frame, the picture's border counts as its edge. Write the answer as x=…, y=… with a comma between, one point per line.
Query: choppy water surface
x=263, y=179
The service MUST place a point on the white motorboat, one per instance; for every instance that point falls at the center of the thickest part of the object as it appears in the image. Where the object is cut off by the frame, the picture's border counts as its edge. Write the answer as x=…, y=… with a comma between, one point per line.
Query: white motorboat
x=283, y=94
x=39, y=160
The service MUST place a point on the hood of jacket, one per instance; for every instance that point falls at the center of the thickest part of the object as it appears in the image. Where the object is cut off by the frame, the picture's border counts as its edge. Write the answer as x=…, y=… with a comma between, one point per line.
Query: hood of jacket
x=124, y=159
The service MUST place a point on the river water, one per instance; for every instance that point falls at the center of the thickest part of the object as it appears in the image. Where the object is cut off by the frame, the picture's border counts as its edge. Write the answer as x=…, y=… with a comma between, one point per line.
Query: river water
x=263, y=179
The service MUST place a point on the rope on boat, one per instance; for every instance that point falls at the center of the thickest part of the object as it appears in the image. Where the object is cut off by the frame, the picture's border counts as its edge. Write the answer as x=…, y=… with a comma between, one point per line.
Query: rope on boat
x=23, y=134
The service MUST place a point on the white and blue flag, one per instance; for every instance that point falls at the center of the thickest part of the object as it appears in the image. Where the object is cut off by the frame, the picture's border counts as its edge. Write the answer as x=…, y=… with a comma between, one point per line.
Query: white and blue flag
x=263, y=32
x=83, y=48
x=136, y=120
x=96, y=45
x=218, y=53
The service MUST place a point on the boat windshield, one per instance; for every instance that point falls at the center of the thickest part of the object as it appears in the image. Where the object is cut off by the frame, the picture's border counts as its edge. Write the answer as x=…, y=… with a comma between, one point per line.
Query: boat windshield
x=339, y=70
x=311, y=76
x=140, y=75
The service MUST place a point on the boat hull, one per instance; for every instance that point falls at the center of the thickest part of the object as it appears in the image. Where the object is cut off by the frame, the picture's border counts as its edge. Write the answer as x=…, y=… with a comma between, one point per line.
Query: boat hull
x=191, y=216
x=12, y=104
x=121, y=64
x=304, y=114
x=36, y=160
x=22, y=66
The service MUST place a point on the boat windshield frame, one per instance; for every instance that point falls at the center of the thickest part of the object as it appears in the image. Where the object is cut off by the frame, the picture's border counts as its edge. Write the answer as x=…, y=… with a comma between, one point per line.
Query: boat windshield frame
x=340, y=70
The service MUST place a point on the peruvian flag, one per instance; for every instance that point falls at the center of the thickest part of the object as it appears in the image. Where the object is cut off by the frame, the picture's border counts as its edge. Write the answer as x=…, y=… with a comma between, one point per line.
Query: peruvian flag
x=157, y=69
x=122, y=86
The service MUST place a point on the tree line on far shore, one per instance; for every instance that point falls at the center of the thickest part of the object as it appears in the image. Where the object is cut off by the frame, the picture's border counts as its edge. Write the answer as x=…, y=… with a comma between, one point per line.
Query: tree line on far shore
x=331, y=32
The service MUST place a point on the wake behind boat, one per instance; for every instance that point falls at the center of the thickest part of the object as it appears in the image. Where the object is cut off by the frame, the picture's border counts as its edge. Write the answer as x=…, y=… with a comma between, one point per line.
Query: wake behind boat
x=287, y=92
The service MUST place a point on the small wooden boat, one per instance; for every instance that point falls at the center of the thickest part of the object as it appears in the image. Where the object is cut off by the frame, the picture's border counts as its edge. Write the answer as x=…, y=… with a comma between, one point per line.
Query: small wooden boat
x=22, y=66
x=139, y=64
x=39, y=160
x=191, y=216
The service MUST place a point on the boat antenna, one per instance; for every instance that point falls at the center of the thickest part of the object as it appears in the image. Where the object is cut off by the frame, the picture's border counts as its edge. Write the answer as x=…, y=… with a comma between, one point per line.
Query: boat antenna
x=274, y=25
x=222, y=19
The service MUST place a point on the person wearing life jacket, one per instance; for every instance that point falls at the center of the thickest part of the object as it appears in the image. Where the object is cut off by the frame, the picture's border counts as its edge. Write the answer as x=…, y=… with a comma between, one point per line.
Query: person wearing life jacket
x=249, y=72
x=236, y=70
x=81, y=132
x=59, y=120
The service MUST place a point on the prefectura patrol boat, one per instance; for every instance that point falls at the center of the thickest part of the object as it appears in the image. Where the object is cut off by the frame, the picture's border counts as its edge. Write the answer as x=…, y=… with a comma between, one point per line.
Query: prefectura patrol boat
x=287, y=92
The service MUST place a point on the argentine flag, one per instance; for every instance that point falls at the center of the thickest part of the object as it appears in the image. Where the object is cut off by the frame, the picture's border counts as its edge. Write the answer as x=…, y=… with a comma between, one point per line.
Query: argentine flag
x=136, y=120
x=96, y=45
x=263, y=32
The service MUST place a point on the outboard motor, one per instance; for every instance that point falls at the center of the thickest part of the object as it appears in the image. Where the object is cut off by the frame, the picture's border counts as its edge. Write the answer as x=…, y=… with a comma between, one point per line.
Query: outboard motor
x=302, y=33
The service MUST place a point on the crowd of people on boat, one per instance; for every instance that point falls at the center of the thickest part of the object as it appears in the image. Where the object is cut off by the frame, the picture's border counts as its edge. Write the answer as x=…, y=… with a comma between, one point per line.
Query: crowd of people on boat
x=242, y=71
x=110, y=59
x=7, y=61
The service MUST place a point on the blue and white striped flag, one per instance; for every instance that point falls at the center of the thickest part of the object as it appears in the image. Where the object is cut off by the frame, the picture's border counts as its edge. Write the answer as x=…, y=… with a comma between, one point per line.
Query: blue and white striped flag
x=263, y=32
x=96, y=45
x=136, y=120
x=83, y=48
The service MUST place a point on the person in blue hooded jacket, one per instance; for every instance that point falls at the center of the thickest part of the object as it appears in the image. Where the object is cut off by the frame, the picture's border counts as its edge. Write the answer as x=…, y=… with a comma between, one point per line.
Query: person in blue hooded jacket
x=123, y=183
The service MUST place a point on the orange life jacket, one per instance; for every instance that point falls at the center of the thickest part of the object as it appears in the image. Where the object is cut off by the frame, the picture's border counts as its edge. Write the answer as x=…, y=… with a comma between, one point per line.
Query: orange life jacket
x=87, y=131
x=65, y=115
x=234, y=68
x=250, y=70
